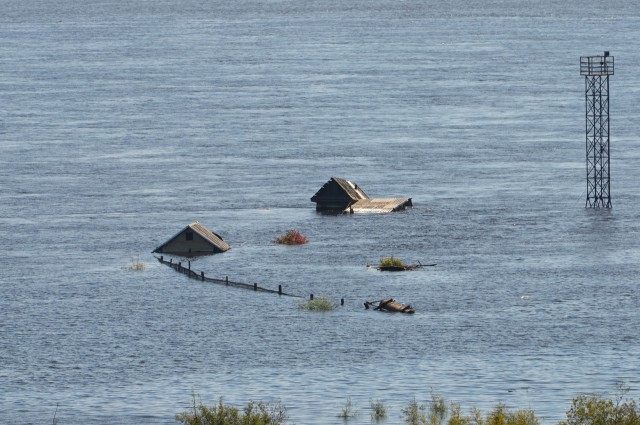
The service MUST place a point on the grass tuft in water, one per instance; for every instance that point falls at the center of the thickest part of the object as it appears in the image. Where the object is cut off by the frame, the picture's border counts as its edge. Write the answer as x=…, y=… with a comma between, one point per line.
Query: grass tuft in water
x=501, y=416
x=136, y=265
x=456, y=417
x=414, y=413
x=221, y=414
x=348, y=410
x=585, y=410
x=378, y=410
x=318, y=304
x=437, y=409
x=391, y=262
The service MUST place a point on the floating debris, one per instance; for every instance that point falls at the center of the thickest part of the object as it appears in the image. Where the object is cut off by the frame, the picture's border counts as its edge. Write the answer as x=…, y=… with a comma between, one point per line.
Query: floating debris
x=390, y=306
x=393, y=264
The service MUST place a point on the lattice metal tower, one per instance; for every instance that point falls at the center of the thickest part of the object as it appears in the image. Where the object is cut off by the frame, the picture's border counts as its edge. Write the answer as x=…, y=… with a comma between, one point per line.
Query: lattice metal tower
x=596, y=71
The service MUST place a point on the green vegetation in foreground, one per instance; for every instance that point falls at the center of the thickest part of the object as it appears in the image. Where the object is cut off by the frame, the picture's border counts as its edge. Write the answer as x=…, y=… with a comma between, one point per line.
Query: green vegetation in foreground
x=585, y=410
x=414, y=413
x=221, y=414
x=318, y=304
x=594, y=410
x=348, y=411
x=378, y=410
x=391, y=262
x=437, y=411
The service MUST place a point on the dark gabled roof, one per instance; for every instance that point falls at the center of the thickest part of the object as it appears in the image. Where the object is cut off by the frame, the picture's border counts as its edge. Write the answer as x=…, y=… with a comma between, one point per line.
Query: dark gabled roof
x=352, y=190
x=213, y=238
x=342, y=195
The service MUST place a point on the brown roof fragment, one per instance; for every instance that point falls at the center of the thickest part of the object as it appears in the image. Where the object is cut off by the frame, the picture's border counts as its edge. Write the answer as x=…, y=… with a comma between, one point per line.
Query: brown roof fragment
x=379, y=205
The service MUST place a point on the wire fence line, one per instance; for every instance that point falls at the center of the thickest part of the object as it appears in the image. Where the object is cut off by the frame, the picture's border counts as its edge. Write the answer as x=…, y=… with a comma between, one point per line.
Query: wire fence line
x=200, y=275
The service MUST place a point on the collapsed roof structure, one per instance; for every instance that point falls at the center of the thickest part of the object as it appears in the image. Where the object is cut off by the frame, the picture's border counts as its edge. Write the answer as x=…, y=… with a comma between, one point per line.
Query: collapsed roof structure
x=340, y=195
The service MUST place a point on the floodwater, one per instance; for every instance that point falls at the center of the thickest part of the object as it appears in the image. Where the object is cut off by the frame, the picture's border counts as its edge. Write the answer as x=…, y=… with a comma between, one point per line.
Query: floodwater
x=121, y=122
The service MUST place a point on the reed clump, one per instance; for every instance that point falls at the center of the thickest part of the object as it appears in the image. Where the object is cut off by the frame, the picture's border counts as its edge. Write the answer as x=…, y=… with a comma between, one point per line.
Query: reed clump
x=292, y=237
x=585, y=410
x=136, y=265
x=414, y=413
x=221, y=414
x=318, y=304
x=439, y=413
x=595, y=410
x=378, y=410
x=391, y=262
x=348, y=410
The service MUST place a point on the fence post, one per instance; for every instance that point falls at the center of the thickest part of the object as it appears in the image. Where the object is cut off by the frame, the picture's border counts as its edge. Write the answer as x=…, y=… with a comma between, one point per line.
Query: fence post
x=179, y=266
x=311, y=298
x=279, y=289
x=202, y=276
x=171, y=262
x=255, y=286
x=341, y=301
x=226, y=280
x=161, y=258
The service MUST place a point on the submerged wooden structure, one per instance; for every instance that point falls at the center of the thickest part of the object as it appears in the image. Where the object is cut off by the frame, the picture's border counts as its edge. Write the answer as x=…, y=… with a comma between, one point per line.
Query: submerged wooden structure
x=193, y=240
x=400, y=268
x=390, y=306
x=342, y=196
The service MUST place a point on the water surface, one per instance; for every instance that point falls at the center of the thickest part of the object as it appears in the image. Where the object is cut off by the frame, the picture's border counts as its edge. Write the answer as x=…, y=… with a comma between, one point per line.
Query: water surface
x=120, y=123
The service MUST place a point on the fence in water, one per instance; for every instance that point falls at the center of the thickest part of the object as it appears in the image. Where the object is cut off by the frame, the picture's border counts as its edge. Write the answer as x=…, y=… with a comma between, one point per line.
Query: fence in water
x=200, y=275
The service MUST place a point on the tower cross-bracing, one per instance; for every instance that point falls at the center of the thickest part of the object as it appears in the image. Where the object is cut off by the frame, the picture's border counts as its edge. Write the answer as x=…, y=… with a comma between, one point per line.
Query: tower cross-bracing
x=596, y=70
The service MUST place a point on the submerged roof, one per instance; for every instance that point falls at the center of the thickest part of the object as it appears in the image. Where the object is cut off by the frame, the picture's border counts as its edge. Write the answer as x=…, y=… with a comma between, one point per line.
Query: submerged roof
x=379, y=205
x=340, y=195
x=210, y=237
x=352, y=190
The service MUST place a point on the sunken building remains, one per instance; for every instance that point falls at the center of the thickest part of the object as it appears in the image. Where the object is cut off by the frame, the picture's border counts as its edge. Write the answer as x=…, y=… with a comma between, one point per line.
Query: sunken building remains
x=340, y=195
x=195, y=239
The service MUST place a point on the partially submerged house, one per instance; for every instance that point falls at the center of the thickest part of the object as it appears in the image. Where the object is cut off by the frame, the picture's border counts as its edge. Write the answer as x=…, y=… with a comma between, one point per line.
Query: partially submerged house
x=195, y=239
x=341, y=195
